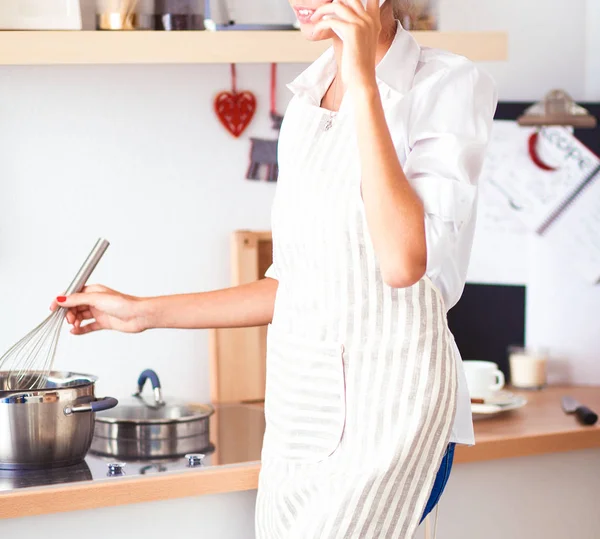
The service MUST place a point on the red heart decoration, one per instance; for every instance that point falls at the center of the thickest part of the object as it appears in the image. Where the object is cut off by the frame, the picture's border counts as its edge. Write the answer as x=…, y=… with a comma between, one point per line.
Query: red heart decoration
x=235, y=110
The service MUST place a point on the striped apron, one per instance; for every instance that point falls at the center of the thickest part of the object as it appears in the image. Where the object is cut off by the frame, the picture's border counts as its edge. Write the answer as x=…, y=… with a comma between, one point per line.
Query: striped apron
x=361, y=377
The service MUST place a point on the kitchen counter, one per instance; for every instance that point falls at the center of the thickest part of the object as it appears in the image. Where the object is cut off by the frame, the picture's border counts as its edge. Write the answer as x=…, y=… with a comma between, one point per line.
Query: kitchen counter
x=539, y=428
x=236, y=430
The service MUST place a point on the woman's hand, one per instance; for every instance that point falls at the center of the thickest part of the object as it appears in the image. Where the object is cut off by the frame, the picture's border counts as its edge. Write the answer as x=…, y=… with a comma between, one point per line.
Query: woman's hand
x=106, y=308
x=359, y=28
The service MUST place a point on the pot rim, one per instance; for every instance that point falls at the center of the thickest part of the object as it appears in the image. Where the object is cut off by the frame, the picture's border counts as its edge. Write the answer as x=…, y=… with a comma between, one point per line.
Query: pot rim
x=84, y=379
x=204, y=412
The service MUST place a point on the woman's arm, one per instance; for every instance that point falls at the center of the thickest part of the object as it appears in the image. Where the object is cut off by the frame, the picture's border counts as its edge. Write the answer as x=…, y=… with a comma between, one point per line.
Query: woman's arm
x=415, y=212
x=241, y=306
x=394, y=212
x=98, y=307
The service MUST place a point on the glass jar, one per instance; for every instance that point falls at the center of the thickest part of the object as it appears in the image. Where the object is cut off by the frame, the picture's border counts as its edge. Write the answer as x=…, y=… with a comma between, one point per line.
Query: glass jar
x=124, y=14
x=528, y=367
x=179, y=15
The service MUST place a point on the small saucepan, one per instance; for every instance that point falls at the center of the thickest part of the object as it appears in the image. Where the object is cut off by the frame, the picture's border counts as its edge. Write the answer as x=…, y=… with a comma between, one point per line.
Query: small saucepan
x=141, y=428
x=51, y=426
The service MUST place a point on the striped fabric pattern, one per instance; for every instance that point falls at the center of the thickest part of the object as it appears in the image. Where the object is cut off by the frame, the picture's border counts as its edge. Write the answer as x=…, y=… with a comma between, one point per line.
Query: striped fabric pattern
x=361, y=377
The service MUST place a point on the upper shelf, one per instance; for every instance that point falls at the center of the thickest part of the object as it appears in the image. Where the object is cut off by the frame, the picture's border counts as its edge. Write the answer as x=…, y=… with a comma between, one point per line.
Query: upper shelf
x=139, y=47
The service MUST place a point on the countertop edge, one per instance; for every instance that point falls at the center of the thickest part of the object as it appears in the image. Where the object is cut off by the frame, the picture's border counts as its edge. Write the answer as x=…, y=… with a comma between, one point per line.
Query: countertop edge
x=92, y=495
x=243, y=477
x=526, y=446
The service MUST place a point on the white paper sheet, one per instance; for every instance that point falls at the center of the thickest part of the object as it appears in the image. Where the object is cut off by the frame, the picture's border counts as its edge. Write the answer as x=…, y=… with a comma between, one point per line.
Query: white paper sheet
x=525, y=192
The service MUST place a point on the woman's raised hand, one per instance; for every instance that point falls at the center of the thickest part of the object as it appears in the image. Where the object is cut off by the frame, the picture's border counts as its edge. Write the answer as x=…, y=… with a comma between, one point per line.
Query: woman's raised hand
x=359, y=27
x=98, y=307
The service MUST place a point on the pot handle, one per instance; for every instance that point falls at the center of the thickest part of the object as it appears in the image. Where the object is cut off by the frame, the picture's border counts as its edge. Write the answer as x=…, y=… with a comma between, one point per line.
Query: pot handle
x=151, y=375
x=97, y=405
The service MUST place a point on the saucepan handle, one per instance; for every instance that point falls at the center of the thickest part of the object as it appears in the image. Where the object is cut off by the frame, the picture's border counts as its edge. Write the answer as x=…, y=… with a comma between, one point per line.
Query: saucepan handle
x=151, y=375
x=98, y=405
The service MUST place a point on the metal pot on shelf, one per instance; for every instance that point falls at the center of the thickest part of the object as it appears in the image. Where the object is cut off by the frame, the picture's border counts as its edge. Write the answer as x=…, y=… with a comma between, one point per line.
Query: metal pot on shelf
x=152, y=428
x=51, y=426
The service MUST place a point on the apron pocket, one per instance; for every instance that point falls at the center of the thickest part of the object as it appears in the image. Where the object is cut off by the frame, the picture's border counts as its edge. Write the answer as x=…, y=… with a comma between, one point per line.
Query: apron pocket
x=305, y=400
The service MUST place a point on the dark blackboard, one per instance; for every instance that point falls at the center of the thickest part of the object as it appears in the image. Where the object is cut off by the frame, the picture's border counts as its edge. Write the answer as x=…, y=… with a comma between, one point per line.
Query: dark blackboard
x=590, y=137
x=487, y=320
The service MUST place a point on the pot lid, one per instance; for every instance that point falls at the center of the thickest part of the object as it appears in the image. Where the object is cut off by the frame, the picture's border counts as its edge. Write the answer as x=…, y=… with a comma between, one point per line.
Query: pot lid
x=140, y=409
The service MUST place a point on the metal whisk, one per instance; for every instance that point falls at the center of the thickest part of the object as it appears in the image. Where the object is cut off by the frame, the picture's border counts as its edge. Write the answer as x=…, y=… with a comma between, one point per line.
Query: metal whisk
x=29, y=362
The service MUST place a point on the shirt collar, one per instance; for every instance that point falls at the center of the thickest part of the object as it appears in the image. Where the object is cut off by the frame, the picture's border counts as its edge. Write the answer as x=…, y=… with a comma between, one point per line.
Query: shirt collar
x=396, y=70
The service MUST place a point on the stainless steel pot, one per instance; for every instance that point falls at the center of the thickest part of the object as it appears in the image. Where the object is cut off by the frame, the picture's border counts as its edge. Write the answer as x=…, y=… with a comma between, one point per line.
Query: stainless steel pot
x=51, y=426
x=147, y=429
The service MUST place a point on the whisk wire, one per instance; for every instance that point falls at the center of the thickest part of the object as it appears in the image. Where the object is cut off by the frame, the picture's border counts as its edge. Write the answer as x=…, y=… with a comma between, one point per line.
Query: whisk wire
x=29, y=361
x=23, y=357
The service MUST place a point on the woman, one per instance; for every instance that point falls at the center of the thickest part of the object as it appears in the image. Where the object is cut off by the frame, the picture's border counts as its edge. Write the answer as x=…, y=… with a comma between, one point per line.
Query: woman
x=372, y=227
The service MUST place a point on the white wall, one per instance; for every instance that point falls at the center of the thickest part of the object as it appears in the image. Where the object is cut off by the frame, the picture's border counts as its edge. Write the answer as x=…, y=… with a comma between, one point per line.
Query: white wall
x=549, y=497
x=547, y=43
x=135, y=154
x=593, y=50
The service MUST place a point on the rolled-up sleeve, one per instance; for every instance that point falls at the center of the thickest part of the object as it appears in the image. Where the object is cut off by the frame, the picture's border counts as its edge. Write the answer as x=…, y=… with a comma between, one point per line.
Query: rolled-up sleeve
x=449, y=130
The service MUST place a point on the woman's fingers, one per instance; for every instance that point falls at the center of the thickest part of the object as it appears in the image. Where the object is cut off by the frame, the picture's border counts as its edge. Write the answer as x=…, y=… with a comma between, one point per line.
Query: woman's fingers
x=96, y=288
x=88, y=328
x=80, y=299
x=341, y=11
x=342, y=27
x=82, y=316
x=358, y=6
x=372, y=7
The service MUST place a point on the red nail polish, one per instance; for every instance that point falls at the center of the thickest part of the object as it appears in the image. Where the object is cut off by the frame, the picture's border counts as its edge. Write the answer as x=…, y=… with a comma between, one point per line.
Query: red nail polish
x=61, y=299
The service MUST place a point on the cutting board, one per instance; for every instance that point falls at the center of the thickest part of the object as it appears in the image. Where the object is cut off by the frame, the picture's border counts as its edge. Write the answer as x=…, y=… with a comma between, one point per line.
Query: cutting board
x=237, y=356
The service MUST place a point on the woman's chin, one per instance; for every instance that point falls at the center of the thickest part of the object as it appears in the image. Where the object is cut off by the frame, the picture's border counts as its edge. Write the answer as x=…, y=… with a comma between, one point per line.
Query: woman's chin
x=307, y=32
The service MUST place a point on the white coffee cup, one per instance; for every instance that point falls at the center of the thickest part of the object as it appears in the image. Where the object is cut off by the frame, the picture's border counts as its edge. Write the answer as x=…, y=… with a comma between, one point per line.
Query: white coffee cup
x=484, y=378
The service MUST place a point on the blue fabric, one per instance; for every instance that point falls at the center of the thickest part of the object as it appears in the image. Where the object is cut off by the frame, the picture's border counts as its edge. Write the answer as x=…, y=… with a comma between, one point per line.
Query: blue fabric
x=440, y=481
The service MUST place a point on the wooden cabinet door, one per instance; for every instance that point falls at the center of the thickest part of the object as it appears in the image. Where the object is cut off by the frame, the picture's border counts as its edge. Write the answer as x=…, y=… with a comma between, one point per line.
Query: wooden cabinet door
x=237, y=356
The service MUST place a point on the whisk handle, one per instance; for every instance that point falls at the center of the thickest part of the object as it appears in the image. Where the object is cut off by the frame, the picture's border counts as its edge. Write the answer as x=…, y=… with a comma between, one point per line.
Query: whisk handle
x=88, y=267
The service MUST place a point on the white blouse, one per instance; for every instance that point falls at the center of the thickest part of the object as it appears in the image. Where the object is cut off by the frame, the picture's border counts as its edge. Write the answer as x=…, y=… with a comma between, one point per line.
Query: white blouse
x=439, y=109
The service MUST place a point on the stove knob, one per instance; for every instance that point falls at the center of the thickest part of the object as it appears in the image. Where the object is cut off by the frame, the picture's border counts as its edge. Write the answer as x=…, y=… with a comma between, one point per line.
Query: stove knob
x=116, y=468
x=195, y=459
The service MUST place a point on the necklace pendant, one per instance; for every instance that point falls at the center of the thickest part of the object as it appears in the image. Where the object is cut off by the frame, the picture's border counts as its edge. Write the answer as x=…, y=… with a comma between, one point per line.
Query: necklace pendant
x=329, y=123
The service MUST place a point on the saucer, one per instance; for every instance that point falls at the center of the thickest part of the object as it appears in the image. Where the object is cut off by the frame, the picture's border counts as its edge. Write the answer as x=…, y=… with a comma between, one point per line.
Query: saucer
x=501, y=398
x=503, y=401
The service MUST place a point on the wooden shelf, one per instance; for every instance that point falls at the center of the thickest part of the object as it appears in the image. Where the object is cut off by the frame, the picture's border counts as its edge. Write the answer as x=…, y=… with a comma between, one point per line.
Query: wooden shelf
x=56, y=48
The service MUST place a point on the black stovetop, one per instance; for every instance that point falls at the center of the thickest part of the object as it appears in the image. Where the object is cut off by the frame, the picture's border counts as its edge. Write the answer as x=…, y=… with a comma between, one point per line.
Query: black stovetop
x=92, y=469
x=238, y=439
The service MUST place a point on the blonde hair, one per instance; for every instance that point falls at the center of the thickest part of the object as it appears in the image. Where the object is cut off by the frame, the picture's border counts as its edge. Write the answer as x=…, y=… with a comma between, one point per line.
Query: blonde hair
x=405, y=8
x=413, y=14
x=402, y=8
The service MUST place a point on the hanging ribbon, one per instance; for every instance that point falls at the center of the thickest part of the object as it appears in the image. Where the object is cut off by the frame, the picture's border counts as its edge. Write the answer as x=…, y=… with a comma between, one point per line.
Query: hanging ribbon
x=263, y=152
x=277, y=119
